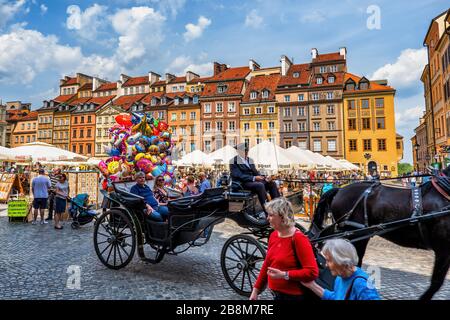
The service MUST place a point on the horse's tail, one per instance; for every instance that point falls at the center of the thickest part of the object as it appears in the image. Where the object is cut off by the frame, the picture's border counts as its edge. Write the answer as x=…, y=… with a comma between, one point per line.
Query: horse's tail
x=322, y=208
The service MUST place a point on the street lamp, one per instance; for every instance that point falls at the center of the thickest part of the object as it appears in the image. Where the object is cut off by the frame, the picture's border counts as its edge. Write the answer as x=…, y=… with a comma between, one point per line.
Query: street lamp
x=416, y=148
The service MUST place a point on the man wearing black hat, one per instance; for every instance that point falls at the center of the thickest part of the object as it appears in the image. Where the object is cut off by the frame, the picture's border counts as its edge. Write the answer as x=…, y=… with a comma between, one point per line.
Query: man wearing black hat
x=243, y=170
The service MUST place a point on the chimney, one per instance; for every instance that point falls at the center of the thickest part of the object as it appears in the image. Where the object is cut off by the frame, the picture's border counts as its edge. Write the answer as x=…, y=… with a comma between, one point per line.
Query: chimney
x=153, y=77
x=119, y=87
x=216, y=68
x=191, y=76
x=314, y=53
x=169, y=77
x=253, y=65
x=123, y=78
x=95, y=83
x=285, y=65
x=343, y=52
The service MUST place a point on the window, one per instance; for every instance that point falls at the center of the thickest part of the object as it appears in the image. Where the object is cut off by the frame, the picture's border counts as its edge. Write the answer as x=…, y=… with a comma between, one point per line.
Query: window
x=28, y=126
x=207, y=146
x=246, y=126
x=183, y=116
x=253, y=95
x=258, y=110
x=363, y=86
x=296, y=74
x=81, y=133
x=319, y=80
x=34, y=125
x=379, y=102
x=195, y=100
x=207, y=126
x=17, y=139
x=287, y=98
x=350, y=86
x=246, y=111
x=302, y=145
x=301, y=111
x=287, y=127
x=329, y=95
x=399, y=145
x=219, y=107
x=351, y=124
x=89, y=148
x=183, y=131
x=331, y=79
x=352, y=145
x=89, y=132
x=186, y=100
x=271, y=125
x=231, y=107
x=323, y=69
x=333, y=68
x=82, y=119
x=33, y=138
x=316, y=126
x=74, y=134
x=23, y=126
x=258, y=140
x=174, y=130
x=351, y=105
x=331, y=125
x=287, y=112
x=317, y=145
x=367, y=145
x=271, y=110
x=207, y=108
x=365, y=103
x=176, y=101
x=288, y=144
x=126, y=91
x=300, y=97
x=265, y=94
x=258, y=126
x=331, y=145
x=315, y=96
x=316, y=110
x=231, y=126
x=193, y=115
x=366, y=123
x=173, y=117
x=302, y=126
x=330, y=109
x=74, y=148
x=381, y=144
x=381, y=123
x=219, y=126
x=161, y=114
x=222, y=88
x=99, y=132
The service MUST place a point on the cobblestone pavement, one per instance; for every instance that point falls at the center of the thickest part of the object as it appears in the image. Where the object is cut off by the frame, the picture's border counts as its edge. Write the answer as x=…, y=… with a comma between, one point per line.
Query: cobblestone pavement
x=35, y=261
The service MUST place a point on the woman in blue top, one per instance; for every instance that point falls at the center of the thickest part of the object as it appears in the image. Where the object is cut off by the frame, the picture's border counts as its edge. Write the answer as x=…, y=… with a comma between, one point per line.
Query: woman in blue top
x=351, y=283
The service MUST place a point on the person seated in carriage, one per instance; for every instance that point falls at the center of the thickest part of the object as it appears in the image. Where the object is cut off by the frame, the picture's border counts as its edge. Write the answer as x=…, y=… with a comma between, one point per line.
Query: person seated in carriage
x=155, y=210
x=243, y=171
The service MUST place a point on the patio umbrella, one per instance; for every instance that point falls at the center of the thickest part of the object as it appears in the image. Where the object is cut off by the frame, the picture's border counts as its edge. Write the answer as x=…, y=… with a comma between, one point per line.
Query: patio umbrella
x=301, y=157
x=40, y=151
x=195, y=158
x=222, y=155
x=271, y=157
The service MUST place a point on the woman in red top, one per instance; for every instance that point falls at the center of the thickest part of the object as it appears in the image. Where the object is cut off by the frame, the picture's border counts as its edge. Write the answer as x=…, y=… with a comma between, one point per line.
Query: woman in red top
x=280, y=268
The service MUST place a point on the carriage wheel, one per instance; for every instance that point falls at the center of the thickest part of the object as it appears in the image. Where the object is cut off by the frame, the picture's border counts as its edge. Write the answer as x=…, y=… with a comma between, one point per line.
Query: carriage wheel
x=114, y=239
x=75, y=225
x=241, y=261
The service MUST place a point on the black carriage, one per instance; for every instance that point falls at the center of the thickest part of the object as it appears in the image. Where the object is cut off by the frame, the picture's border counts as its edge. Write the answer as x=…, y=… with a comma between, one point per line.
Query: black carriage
x=124, y=228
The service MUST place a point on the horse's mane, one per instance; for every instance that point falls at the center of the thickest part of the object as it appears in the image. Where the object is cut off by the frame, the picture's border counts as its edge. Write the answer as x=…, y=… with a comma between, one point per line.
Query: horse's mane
x=425, y=187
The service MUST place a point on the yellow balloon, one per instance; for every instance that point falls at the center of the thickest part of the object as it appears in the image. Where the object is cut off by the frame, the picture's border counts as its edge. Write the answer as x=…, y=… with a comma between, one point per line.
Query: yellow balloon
x=139, y=156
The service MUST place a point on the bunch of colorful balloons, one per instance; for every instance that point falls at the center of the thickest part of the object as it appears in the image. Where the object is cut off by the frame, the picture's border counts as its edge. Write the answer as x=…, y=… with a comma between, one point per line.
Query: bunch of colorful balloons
x=139, y=142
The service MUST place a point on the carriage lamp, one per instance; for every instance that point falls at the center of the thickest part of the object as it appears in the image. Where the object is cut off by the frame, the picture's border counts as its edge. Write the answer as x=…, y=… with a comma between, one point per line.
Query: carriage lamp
x=416, y=148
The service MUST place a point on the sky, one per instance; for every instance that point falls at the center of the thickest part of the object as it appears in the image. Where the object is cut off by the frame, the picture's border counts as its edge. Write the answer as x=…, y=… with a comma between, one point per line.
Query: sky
x=41, y=41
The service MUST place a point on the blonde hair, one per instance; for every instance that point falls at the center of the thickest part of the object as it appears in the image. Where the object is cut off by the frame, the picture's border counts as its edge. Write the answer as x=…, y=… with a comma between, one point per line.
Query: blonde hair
x=284, y=209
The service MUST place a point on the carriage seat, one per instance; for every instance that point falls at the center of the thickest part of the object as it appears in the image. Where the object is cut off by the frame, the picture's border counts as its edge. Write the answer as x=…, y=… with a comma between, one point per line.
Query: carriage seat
x=128, y=197
x=209, y=198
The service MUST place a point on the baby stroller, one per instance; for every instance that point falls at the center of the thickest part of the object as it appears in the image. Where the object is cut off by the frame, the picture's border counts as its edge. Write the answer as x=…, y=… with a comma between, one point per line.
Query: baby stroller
x=80, y=211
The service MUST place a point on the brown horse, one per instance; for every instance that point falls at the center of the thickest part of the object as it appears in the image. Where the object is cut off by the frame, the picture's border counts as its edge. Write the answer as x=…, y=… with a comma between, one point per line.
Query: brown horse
x=387, y=204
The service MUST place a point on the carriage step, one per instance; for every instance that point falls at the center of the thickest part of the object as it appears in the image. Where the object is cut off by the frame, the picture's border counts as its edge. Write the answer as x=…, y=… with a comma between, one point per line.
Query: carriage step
x=353, y=224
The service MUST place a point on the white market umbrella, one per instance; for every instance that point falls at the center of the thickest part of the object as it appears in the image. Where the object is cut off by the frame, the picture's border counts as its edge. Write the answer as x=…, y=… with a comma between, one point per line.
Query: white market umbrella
x=320, y=161
x=336, y=164
x=195, y=158
x=222, y=155
x=348, y=164
x=300, y=157
x=269, y=156
x=5, y=154
x=40, y=151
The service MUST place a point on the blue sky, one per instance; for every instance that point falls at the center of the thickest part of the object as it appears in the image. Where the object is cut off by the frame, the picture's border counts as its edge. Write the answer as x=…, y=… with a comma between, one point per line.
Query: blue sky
x=40, y=41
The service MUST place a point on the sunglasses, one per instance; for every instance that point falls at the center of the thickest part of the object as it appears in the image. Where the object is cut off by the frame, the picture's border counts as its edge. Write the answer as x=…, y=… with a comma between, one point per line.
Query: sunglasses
x=160, y=180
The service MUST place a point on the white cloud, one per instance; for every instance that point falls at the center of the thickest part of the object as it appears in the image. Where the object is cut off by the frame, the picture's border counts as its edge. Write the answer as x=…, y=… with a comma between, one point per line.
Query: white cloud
x=86, y=23
x=141, y=33
x=406, y=71
x=8, y=9
x=182, y=64
x=165, y=6
x=253, y=20
x=194, y=31
x=24, y=54
x=44, y=9
x=312, y=17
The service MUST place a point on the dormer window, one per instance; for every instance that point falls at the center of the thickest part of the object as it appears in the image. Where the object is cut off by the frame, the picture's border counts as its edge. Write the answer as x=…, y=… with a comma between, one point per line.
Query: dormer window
x=331, y=79
x=186, y=100
x=323, y=69
x=176, y=101
x=52, y=103
x=253, y=95
x=363, y=86
x=296, y=74
x=141, y=107
x=221, y=88
x=333, y=68
x=134, y=108
x=92, y=106
x=195, y=99
x=265, y=94
x=319, y=80
x=79, y=108
x=45, y=104
x=153, y=102
x=163, y=100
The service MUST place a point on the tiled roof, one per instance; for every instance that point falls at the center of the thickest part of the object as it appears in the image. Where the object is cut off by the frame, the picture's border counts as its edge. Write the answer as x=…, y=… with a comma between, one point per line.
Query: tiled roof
x=33, y=115
x=79, y=101
x=148, y=97
x=159, y=83
x=231, y=74
x=178, y=80
x=70, y=82
x=136, y=81
x=101, y=101
x=338, y=80
x=86, y=86
x=107, y=87
x=373, y=86
x=63, y=98
x=258, y=84
x=328, y=57
x=16, y=115
x=125, y=102
x=303, y=71
x=233, y=88
x=197, y=80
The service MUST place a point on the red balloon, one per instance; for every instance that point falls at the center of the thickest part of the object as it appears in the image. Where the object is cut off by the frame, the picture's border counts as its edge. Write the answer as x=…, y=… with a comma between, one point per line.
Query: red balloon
x=124, y=119
x=155, y=132
x=162, y=126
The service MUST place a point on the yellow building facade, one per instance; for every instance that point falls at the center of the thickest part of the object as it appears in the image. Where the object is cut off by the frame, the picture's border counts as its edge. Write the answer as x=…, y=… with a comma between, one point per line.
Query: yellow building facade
x=371, y=141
